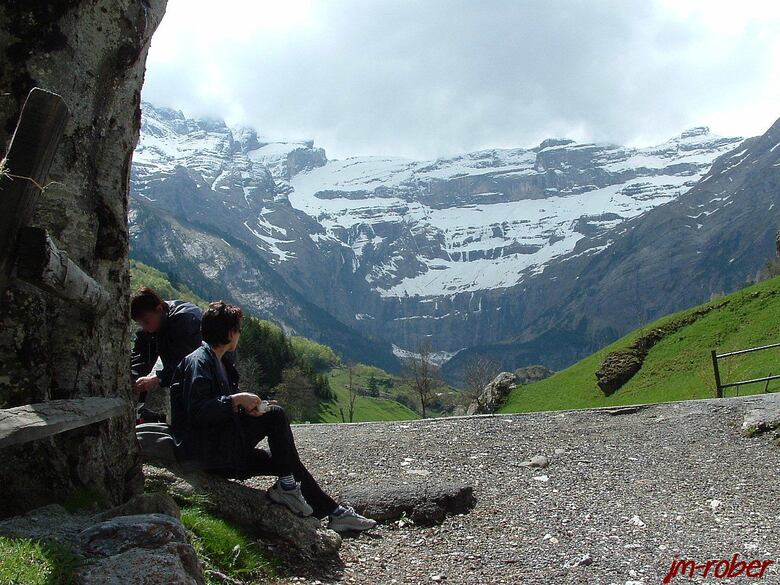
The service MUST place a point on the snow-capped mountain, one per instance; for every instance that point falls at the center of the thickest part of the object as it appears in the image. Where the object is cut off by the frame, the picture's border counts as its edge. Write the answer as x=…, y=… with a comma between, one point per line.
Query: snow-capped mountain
x=396, y=249
x=490, y=219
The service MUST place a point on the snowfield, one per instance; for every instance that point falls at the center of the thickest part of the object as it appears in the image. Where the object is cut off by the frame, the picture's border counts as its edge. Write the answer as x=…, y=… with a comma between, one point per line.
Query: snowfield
x=493, y=244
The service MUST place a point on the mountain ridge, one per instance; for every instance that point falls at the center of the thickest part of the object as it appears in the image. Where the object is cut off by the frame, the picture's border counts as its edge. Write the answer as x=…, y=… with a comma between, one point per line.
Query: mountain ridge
x=374, y=242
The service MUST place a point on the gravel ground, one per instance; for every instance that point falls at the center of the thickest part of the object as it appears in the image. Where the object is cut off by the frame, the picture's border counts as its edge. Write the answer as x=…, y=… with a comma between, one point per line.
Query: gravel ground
x=631, y=491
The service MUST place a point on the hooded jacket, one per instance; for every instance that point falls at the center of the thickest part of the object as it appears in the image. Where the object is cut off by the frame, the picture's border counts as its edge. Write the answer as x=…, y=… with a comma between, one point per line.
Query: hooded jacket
x=178, y=336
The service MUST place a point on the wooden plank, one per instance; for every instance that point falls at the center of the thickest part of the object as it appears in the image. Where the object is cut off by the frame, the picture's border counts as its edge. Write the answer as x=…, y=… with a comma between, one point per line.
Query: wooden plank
x=42, y=264
x=23, y=424
x=27, y=163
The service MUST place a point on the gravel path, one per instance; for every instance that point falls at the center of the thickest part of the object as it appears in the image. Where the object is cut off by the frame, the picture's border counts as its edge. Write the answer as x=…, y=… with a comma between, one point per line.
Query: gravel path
x=632, y=491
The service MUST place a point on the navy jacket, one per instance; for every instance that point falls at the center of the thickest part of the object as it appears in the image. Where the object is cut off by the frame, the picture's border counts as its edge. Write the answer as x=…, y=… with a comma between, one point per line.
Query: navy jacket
x=206, y=430
x=178, y=336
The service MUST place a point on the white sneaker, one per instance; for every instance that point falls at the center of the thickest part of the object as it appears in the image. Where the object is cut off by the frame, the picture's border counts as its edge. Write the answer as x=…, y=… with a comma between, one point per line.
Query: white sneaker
x=293, y=500
x=350, y=521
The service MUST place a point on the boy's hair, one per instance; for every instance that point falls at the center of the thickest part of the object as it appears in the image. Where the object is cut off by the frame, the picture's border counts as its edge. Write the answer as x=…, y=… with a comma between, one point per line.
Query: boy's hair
x=145, y=300
x=219, y=320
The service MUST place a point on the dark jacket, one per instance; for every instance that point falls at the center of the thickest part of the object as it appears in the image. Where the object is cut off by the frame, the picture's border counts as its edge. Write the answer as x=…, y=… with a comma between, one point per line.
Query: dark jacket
x=203, y=423
x=178, y=336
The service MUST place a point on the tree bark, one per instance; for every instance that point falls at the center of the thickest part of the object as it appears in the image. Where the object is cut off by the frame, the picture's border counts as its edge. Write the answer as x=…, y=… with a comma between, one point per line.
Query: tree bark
x=93, y=54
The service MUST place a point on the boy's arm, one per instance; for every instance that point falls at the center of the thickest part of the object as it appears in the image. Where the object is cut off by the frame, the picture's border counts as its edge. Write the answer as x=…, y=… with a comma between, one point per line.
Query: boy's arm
x=143, y=358
x=202, y=401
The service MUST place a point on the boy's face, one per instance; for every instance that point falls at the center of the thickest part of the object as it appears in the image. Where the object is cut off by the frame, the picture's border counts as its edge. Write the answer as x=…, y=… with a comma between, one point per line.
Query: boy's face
x=150, y=322
x=234, y=337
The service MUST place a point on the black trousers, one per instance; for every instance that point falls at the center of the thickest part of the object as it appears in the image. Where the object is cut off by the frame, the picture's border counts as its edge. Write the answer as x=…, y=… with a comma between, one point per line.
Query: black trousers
x=283, y=458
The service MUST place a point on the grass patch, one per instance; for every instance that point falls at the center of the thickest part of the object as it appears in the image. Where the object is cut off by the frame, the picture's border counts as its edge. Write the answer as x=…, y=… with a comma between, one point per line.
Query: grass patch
x=27, y=562
x=224, y=548
x=678, y=367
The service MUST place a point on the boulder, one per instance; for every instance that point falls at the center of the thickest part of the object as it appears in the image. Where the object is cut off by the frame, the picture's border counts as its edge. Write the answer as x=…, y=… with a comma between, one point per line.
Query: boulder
x=174, y=563
x=122, y=533
x=494, y=394
x=153, y=548
x=245, y=506
x=425, y=504
x=618, y=368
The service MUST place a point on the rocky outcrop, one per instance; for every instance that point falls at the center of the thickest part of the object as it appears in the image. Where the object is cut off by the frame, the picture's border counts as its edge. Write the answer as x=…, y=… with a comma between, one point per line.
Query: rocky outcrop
x=92, y=53
x=247, y=507
x=425, y=504
x=115, y=548
x=531, y=374
x=494, y=394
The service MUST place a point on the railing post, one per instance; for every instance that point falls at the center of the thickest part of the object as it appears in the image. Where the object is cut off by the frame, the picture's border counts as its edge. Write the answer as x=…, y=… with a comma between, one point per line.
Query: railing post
x=718, y=387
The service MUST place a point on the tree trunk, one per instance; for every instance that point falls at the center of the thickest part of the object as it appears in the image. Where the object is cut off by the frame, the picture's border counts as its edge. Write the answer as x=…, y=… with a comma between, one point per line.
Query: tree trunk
x=93, y=54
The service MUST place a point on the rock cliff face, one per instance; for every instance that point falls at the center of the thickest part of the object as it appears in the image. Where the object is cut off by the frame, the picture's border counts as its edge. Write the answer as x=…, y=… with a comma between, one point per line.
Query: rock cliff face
x=92, y=53
x=709, y=240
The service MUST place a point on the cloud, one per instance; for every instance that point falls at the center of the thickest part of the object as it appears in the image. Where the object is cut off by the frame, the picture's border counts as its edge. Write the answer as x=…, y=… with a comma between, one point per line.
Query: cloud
x=431, y=78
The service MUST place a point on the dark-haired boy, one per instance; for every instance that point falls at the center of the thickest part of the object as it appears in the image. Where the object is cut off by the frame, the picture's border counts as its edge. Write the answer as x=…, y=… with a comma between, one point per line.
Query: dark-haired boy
x=168, y=330
x=217, y=427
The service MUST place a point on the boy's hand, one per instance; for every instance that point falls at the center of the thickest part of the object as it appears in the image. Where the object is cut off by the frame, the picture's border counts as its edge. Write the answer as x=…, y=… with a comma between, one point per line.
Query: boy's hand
x=249, y=402
x=146, y=383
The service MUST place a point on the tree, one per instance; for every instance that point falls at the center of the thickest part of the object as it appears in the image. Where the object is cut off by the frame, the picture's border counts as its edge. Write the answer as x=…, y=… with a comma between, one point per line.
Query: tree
x=250, y=372
x=352, y=389
x=423, y=375
x=296, y=394
x=266, y=344
x=479, y=371
x=84, y=209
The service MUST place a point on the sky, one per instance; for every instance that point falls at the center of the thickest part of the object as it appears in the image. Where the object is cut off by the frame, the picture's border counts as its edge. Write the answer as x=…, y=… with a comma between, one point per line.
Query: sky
x=431, y=78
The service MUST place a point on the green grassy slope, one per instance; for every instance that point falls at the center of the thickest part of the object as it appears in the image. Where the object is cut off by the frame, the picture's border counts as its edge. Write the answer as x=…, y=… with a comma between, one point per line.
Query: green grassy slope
x=367, y=408
x=144, y=275
x=678, y=367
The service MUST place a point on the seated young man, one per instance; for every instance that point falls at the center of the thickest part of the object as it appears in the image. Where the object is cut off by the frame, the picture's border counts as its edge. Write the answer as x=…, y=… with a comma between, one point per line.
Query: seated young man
x=168, y=330
x=217, y=427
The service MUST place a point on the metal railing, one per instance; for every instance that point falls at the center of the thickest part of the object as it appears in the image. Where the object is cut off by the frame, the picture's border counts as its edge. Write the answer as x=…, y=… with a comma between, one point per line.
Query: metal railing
x=719, y=386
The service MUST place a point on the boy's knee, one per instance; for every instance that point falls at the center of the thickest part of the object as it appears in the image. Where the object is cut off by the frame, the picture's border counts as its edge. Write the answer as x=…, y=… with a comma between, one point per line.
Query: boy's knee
x=277, y=413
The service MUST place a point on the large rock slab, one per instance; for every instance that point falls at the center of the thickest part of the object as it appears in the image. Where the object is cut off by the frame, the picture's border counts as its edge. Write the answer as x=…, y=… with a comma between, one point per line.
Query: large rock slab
x=245, y=506
x=172, y=564
x=51, y=523
x=424, y=503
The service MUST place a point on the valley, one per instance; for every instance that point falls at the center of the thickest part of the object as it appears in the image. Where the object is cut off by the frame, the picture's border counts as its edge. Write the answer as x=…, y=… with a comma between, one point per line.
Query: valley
x=537, y=255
